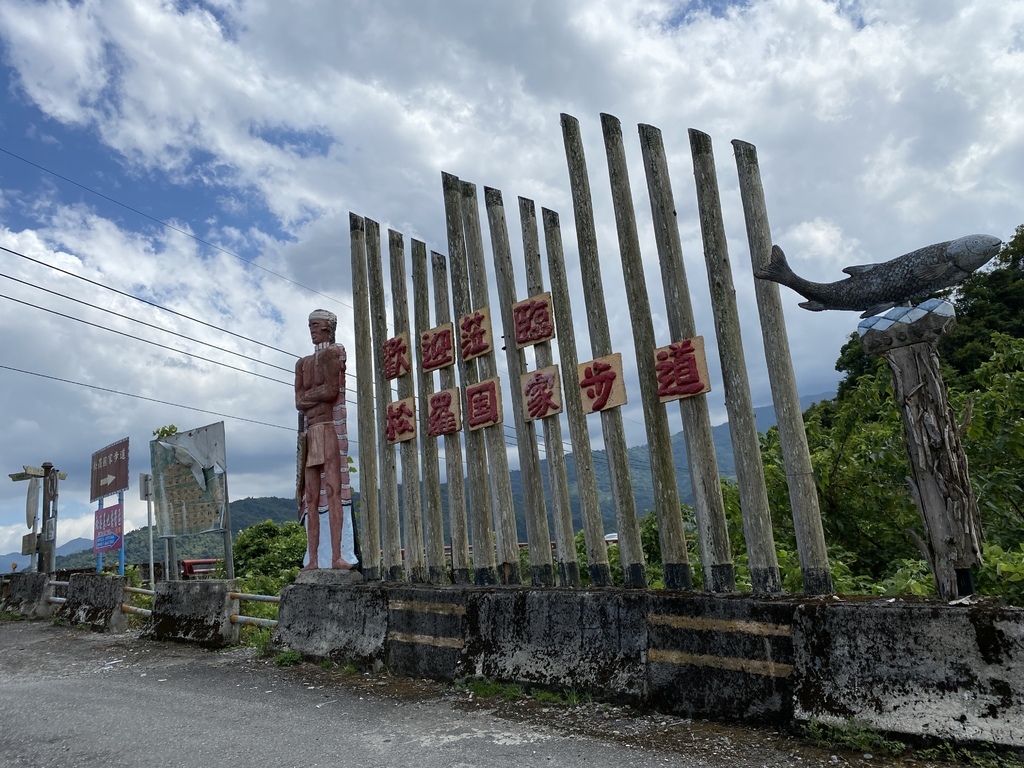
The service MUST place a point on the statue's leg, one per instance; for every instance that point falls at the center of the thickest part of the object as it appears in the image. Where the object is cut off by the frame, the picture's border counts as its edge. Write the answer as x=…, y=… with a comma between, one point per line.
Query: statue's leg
x=332, y=470
x=312, y=497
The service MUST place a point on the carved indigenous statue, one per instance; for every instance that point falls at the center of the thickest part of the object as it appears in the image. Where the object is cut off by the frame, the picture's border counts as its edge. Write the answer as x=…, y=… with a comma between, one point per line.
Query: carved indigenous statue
x=324, y=495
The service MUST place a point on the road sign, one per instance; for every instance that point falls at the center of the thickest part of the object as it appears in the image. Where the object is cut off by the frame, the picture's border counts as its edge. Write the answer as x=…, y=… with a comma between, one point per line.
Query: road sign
x=108, y=528
x=109, y=470
x=32, y=503
x=28, y=544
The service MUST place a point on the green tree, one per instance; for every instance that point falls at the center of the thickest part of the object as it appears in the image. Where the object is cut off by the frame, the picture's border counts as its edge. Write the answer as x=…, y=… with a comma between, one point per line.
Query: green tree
x=270, y=550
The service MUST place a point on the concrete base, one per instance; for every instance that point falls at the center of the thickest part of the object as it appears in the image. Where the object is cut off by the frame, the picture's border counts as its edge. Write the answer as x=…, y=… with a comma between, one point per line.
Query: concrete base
x=27, y=595
x=194, y=612
x=96, y=599
x=922, y=669
x=326, y=577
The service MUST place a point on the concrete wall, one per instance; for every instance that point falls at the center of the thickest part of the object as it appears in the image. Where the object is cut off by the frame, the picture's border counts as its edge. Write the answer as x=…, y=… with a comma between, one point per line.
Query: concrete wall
x=27, y=593
x=926, y=669
x=194, y=612
x=95, y=599
x=920, y=668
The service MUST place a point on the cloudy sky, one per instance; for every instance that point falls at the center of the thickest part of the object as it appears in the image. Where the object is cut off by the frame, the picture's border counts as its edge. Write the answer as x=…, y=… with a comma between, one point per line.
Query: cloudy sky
x=203, y=156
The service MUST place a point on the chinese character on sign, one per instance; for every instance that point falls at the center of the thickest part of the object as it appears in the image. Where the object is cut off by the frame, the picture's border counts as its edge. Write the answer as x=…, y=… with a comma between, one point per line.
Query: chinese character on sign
x=475, y=334
x=542, y=395
x=682, y=369
x=400, y=421
x=444, y=416
x=533, y=320
x=483, y=402
x=601, y=385
x=437, y=347
x=396, y=358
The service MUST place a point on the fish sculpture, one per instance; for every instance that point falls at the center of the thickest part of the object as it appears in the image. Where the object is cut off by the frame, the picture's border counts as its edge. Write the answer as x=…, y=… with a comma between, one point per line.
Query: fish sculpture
x=874, y=288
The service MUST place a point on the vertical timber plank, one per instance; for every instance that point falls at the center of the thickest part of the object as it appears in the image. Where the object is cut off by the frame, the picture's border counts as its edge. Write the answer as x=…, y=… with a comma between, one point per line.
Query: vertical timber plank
x=561, y=509
x=388, y=470
x=538, y=534
x=509, y=571
x=803, y=491
x=633, y=568
x=659, y=438
x=742, y=427
x=369, y=507
x=708, y=504
x=433, y=520
x=485, y=571
x=457, y=522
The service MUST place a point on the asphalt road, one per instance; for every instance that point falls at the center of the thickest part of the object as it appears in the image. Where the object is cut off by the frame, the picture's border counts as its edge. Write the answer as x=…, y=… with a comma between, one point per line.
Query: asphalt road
x=72, y=698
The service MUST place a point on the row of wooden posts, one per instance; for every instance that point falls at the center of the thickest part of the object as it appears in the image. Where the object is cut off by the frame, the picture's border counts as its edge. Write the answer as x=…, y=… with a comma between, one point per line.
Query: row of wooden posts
x=480, y=504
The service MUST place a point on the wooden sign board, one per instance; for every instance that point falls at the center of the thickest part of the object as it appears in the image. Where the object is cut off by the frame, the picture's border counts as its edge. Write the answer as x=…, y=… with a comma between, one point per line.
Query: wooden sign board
x=601, y=383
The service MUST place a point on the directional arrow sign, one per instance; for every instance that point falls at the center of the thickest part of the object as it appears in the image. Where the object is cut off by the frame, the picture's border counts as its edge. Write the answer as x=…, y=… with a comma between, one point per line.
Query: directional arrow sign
x=108, y=528
x=107, y=542
x=109, y=470
x=107, y=480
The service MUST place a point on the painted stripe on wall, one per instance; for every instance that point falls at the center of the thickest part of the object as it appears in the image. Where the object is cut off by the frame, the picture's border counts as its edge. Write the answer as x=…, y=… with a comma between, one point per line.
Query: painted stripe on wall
x=437, y=642
x=444, y=609
x=704, y=624
x=749, y=666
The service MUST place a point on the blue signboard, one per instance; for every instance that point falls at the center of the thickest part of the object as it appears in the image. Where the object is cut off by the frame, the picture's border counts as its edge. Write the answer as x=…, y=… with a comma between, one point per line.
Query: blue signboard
x=108, y=528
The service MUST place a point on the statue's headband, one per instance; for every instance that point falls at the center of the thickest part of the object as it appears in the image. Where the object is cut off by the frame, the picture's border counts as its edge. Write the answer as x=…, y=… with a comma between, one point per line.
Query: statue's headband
x=323, y=314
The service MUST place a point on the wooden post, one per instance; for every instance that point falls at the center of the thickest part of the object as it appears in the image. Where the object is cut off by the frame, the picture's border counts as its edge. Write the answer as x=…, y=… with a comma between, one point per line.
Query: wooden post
x=369, y=507
x=411, y=511
x=503, y=506
x=938, y=478
x=452, y=444
x=479, y=506
x=803, y=491
x=388, y=470
x=659, y=438
x=742, y=427
x=568, y=564
x=586, y=482
x=708, y=505
x=630, y=549
x=433, y=519
x=538, y=535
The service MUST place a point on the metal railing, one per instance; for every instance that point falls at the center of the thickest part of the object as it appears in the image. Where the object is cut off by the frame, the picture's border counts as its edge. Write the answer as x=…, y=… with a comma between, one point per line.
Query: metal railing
x=252, y=620
x=129, y=608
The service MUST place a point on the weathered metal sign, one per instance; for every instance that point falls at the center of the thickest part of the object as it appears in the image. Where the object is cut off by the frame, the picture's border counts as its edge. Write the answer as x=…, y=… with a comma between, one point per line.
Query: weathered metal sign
x=109, y=470
x=108, y=528
x=190, y=481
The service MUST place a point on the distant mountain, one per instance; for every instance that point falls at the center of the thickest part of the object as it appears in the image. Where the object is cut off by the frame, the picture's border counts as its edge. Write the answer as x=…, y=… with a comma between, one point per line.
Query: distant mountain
x=75, y=545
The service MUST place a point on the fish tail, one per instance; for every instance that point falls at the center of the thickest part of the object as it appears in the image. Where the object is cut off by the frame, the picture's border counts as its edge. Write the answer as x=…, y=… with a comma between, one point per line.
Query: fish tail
x=777, y=269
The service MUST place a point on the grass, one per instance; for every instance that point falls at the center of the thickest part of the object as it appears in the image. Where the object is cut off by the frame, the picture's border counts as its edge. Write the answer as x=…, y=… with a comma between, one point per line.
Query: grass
x=288, y=658
x=12, y=616
x=488, y=689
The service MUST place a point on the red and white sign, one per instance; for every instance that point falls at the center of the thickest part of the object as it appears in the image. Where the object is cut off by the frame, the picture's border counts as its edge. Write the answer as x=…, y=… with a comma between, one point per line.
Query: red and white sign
x=108, y=528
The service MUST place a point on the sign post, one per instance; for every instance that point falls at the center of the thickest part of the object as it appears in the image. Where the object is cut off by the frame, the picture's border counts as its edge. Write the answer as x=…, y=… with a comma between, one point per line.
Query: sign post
x=109, y=476
x=42, y=548
x=146, y=494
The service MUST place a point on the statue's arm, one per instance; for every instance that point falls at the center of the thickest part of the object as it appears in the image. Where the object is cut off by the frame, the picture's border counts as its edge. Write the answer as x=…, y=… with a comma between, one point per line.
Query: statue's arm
x=325, y=392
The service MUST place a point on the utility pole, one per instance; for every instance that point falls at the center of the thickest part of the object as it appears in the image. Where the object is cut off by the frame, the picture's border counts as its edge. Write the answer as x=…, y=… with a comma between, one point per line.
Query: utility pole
x=45, y=545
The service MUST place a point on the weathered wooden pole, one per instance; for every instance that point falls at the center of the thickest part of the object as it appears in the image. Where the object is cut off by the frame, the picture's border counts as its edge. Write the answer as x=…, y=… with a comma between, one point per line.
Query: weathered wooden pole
x=708, y=505
x=502, y=503
x=412, y=511
x=906, y=338
x=803, y=491
x=561, y=509
x=485, y=571
x=433, y=519
x=586, y=481
x=388, y=471
x=659, y=439
x=369, y=506
x=457, y=522
x=538, y=535
x=742, y=426
x=630, y=549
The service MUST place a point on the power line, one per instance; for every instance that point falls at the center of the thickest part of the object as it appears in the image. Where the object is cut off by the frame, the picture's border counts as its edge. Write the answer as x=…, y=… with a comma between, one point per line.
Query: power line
x=171, y=226
x=146, y=341
x=143, y=322
x=141, y=397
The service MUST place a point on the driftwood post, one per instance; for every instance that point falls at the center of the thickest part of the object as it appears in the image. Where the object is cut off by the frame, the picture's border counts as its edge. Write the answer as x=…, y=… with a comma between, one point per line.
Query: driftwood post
x=630, y=549
x=457, y=522
x=433, y=520
x=537, y=533
x=586, y=481
x=561, y=509
x=939, y=483
x=484, y=568
x=369, y=507
x=803, y=492
x=659, y=438
x=509, y=571
x=742, y=427
x=708, y=505
x=388, y=470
